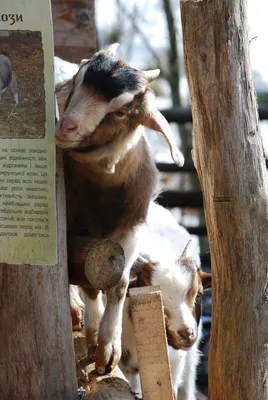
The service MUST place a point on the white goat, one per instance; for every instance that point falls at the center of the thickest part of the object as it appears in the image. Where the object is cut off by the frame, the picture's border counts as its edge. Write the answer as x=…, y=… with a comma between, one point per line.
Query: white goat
x=110, y=177
x=177, y=272
x=7, y=78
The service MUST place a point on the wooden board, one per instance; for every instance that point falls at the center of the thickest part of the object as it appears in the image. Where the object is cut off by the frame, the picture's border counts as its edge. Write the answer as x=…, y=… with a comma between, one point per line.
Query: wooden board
x=151, y=342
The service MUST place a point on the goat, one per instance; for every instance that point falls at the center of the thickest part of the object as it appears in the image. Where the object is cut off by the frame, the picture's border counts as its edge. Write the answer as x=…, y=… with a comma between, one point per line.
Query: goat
x=182, y=284
x=110, y=178
x=8, y=78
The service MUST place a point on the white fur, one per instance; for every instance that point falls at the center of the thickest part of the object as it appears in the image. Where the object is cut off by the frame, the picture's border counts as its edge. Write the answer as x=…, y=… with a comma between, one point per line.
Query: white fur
x=93, y=313
x=111, y=325
x=163, y=240
x=75, y=299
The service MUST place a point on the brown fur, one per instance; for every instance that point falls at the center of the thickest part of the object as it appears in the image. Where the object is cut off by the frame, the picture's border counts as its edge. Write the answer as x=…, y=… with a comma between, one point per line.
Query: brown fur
x=192, y=293
x=99, y=204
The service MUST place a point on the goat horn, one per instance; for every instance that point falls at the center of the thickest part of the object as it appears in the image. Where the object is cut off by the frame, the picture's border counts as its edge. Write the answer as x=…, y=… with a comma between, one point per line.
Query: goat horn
x=188, y=250
x=151, y=75
x=140, y=261
x=113, y=48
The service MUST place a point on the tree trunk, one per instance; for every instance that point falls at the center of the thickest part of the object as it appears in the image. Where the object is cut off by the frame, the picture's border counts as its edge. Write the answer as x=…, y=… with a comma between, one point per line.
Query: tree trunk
x=230, y=162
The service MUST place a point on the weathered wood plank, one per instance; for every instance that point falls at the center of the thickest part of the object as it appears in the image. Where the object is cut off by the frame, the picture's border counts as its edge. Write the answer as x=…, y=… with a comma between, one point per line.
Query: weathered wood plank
x=151, y=342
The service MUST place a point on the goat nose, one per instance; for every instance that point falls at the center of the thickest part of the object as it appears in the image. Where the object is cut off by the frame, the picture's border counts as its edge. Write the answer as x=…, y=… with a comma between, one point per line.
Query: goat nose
x=67, y=125
x=187, y=333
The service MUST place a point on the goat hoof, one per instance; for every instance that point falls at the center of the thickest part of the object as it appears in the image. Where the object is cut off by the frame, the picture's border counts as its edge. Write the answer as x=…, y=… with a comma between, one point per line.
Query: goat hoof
x=107, y=356
x=77, y=317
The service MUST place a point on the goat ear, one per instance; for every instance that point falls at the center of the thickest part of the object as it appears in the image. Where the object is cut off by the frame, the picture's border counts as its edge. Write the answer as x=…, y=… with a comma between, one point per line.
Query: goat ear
x=113, y=48
x=206, y=279
x=151, y=75
x=188, y=250
x=153, y=119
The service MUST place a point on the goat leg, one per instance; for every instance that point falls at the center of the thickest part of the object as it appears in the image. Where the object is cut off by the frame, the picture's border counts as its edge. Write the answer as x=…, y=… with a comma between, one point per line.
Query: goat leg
x=108, y=351
x=13, y=88
x=94, y=310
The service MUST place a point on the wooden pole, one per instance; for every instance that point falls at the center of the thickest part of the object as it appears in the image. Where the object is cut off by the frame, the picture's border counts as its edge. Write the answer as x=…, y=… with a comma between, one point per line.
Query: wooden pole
x=36, y=350
x=151, y=342
x=74, y=29
x=229, y=158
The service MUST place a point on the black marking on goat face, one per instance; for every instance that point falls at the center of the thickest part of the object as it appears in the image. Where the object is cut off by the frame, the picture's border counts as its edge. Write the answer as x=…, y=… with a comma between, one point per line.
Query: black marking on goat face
x=198, y=308
x=111, y=76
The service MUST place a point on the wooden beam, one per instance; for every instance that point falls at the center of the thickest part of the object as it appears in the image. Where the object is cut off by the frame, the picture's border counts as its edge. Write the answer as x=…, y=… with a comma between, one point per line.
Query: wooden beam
x=183, y=115
x=172, y=198
x=151, y=342
x=230, y=161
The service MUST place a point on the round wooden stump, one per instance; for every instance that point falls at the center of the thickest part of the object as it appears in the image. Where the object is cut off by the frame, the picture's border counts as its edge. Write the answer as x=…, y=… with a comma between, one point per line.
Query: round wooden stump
x=104, y=264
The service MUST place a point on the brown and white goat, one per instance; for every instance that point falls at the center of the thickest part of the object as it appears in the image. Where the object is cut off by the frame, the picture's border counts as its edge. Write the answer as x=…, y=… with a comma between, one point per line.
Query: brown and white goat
x=182, y=284
x=7, y=77
x=110, y=177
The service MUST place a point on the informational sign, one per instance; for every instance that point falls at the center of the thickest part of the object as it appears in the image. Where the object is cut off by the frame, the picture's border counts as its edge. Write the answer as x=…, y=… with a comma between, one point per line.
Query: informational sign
x=27, y=149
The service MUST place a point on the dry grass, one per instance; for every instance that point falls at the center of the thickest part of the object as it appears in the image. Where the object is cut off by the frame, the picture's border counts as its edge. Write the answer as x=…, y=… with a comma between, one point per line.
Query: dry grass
x=27, y=120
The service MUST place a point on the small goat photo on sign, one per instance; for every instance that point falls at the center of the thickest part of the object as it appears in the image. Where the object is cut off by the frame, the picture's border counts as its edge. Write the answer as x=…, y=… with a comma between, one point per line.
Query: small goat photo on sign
x=22, y=94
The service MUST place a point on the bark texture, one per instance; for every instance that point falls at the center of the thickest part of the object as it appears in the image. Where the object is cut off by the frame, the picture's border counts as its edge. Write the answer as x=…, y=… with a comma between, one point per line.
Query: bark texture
x=229, y=158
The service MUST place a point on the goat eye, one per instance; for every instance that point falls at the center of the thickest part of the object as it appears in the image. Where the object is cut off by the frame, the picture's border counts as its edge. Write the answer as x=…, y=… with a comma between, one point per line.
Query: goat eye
x=120, y=114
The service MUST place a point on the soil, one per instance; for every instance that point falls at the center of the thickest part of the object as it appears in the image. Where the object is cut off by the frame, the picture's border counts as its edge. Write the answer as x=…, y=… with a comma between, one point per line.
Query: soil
x=27, y=119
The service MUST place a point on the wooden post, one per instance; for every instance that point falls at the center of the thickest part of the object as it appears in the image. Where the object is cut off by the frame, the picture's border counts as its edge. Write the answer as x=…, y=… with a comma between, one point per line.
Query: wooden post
x=36, y=349
x=229, y=158
x=151, y=342
x=74, y=29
